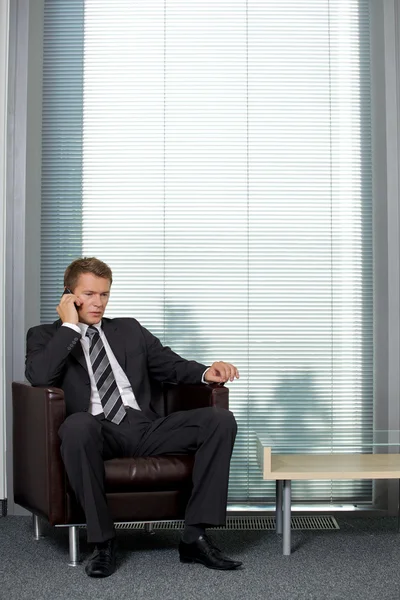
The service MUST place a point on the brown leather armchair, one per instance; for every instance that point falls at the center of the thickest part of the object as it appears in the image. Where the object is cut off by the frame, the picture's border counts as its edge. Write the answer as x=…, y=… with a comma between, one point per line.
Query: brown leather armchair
x=149, y=489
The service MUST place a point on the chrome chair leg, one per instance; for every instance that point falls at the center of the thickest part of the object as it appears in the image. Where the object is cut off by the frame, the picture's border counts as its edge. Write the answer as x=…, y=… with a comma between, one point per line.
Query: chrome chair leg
x=73, y=532
x=148, y=527
x=37, y=527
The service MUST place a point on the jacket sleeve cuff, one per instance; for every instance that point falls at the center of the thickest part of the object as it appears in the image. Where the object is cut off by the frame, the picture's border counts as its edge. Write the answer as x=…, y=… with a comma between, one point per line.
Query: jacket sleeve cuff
x=72, y=326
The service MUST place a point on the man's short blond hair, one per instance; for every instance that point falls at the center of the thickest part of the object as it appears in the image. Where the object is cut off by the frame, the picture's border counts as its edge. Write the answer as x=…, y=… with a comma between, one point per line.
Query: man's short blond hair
x=85, y=265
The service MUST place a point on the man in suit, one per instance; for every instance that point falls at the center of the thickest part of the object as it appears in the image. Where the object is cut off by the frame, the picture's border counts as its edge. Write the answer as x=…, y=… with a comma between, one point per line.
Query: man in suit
x=105, y=367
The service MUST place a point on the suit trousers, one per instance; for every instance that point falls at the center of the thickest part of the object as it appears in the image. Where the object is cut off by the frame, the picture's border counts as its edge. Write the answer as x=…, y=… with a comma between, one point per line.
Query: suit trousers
x=87, y=441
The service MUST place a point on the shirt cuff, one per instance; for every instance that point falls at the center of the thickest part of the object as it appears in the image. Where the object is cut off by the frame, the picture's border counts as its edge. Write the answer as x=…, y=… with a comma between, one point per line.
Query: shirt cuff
x=202, y=379
x=72, y=326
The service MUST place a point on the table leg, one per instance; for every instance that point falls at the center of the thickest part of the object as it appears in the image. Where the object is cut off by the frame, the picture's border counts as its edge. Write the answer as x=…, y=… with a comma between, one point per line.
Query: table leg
x=398, y=510
x=278, y=504
x=286, y=517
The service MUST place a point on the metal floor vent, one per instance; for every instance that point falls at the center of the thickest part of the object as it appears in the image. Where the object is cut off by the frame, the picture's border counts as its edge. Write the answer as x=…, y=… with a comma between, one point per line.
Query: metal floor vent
x=320, y=523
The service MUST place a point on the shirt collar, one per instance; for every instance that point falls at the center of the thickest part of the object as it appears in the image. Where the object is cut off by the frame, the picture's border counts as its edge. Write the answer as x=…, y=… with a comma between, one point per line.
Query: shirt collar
x=84, y=327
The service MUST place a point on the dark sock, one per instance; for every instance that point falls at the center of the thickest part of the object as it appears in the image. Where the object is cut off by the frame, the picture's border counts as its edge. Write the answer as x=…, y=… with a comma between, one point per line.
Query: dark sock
x=191, y=533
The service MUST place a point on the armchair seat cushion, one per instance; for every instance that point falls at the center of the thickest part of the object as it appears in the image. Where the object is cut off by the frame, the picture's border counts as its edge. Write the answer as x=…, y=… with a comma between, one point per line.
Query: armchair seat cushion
x=151, y=473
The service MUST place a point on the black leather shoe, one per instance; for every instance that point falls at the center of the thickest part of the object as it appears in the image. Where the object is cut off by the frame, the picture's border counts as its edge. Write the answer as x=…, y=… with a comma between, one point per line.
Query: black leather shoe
x=102, y=561
x=203, y=551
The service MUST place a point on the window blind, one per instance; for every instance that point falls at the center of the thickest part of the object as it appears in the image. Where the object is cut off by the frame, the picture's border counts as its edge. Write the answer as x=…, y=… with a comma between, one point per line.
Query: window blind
x=217, y=155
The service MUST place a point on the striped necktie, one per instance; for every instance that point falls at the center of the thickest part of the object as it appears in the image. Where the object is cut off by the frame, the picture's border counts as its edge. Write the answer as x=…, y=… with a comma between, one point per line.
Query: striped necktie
x=110, y=398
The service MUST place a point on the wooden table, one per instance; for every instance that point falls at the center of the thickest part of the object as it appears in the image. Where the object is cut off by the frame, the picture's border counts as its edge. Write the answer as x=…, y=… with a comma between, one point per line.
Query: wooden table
x=283, y=468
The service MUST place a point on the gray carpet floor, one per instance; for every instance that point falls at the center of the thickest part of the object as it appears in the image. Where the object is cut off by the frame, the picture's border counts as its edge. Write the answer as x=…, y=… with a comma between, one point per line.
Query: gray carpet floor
x=361, y=561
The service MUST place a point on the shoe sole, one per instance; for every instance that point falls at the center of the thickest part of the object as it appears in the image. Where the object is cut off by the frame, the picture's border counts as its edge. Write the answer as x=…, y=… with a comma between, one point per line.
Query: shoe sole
x=99, y=575
x=200, y=562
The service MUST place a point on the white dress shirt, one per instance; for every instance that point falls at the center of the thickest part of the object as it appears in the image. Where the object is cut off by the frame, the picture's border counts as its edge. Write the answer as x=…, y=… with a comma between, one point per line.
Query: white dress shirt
x=124, y=387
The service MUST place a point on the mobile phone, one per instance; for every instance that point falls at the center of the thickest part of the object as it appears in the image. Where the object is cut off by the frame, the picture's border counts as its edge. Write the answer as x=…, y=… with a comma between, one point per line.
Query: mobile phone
x=68, y=291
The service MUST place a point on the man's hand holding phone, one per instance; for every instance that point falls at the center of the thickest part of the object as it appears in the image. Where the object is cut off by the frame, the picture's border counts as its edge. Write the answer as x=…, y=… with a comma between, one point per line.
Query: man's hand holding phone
x=67, y=309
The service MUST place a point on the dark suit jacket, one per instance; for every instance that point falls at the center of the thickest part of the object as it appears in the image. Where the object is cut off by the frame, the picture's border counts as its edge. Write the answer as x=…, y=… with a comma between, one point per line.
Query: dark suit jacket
x=55, y=357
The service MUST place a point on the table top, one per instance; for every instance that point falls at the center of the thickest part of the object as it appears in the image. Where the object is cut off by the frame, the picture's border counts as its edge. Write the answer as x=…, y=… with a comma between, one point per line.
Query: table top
x=319, y=441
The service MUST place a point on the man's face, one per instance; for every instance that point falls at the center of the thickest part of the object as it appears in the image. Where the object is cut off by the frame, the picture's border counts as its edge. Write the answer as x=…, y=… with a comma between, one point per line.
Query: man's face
x=94, y=293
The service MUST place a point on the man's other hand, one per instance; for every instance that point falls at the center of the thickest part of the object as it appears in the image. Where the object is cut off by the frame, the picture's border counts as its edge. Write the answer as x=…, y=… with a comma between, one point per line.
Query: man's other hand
x=67, y=309
x=220, y=372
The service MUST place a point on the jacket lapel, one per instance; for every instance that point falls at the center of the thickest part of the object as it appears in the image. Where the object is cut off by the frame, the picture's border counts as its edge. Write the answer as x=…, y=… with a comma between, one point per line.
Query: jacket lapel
x=116, y=341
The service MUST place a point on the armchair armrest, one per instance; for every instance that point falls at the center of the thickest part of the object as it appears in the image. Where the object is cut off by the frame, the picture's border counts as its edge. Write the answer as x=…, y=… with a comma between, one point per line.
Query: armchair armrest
x=188, y=396
x=39, y=475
